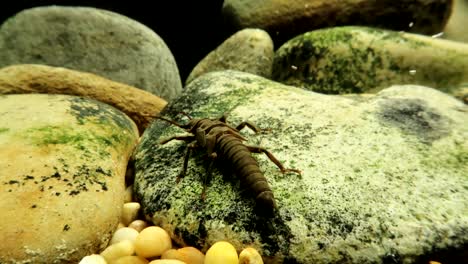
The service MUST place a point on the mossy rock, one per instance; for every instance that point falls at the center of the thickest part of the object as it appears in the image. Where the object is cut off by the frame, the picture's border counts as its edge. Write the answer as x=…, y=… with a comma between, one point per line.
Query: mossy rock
x=63, y=161
x=383, y=176
x=366, y=60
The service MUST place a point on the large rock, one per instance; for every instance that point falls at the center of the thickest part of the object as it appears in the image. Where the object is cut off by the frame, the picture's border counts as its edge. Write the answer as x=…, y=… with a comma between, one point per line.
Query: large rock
x=63, y=161
x=383, y=177
x=359, y=59
x=286, y=19
x=456, y=28
x=91, y=40
x=249, y=50
x=138, y=104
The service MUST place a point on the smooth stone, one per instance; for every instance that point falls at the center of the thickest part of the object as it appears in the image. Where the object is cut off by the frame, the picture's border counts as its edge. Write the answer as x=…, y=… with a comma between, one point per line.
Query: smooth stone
x=249, y=50
x=91, y=40
x=62, y=179
x=286, y=19
x=367, y=60
x=141, y=106
x=456, y=28
x=383, y=176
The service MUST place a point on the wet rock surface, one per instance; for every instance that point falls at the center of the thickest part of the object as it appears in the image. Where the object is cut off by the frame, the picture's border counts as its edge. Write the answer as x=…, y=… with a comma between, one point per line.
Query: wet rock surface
x=91, y=40
x=63, y=161
x=383, y=176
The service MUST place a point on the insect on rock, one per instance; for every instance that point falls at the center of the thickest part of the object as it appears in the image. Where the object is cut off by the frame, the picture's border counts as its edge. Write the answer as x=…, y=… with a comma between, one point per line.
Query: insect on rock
x=224, y=142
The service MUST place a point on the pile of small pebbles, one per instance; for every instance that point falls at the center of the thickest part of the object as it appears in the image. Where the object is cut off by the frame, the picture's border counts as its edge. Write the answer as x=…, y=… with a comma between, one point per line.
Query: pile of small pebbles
x=138, y=242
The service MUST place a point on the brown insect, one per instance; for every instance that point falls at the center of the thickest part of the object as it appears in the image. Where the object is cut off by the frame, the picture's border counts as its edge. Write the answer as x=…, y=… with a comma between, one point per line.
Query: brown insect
x=223, y=141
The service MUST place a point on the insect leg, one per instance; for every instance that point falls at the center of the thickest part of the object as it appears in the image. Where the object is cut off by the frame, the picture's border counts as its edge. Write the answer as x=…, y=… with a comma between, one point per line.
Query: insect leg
x=249, y=125
x=184, y=138
x=186, y=158
x=255, y=149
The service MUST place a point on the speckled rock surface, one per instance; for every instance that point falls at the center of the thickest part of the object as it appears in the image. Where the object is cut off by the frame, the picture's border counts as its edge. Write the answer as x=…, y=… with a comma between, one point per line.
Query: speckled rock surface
x=249, y=50
x=360, y=59
x=63, y=161
x=286, y=19
x=383, y=176
x=91, y=40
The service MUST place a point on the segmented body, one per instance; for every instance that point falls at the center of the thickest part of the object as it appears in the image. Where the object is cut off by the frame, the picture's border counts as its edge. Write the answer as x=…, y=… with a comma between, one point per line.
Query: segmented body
x=247, y=169
x=221, y=141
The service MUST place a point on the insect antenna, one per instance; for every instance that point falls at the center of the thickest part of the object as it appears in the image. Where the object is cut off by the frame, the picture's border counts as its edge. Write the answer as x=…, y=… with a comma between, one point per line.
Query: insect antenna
x=185, y=114
x=171, y=121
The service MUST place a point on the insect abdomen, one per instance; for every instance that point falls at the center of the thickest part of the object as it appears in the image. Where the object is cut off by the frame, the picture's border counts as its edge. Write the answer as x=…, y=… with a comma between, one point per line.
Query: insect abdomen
x=233, y=151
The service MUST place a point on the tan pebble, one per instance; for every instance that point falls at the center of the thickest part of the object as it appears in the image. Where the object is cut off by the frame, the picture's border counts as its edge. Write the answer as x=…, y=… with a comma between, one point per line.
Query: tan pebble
x=221, y=252
x=152, y=242
x=124, y=233
x=121, y=249
x=250, y=256
x=130, y=260
x=171, y=254
x=120, y=226
x=128, y=194
x=138, y=225
x=189, y=255
x=129, y=212
x=167, y=261
x=93, y=259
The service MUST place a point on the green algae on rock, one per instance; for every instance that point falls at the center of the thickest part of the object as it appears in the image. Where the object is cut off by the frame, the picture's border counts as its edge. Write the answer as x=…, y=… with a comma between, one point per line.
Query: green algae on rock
x=249, y=50
x=384, y=176
x=359, y=59
x=63, y=161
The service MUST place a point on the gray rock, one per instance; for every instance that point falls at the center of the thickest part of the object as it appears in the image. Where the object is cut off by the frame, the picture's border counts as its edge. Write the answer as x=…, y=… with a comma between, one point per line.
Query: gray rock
x=383, y=177
x=366, y=60
x=286, y=19
x=62, y=179
x=91, y=40
x=249, y=50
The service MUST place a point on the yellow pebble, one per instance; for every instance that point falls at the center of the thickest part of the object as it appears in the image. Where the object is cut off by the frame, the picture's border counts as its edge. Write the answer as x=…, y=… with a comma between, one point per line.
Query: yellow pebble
x=138, y=225
x=152, y=242
x=130, y=260
x=189, y=255
x=118, y=250
x=221, y=252
x=93, y=259
x=129, y=212
x=167, y=261
x=250, y=256
x=124, y=233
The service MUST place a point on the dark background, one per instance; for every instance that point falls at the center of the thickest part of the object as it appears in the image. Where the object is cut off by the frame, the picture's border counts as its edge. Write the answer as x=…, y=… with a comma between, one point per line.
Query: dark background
x=190, y=28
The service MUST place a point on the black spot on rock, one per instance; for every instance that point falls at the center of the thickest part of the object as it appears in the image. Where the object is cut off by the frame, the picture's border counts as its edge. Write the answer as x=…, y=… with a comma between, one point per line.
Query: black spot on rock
x=414, y=117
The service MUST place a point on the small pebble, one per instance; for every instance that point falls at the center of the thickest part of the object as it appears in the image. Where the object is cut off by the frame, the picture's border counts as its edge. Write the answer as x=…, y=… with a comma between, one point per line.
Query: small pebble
x=152, y=242
x=167, y=261
x=221, y=252
x=130, y=260
x=93, y=259
x=138, y=225
x=120, y=226
x=128, y=194
x=250, y=256
x=121, y=249
x=129, y=212
x=189, y=255
x=124, y=233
